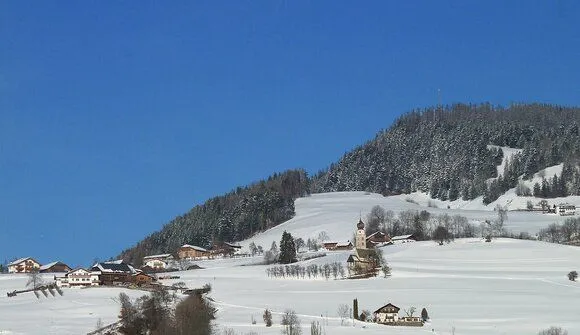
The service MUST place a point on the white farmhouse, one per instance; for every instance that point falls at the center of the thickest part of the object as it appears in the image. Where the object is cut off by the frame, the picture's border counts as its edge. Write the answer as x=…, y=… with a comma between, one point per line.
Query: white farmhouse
x=78, y=278
x=157, y=261
x=23, y=265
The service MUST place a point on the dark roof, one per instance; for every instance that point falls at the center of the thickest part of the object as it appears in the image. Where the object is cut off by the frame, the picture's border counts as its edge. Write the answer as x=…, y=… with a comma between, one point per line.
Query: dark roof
x=112, y=267
x=360, y=224
x=386, y=306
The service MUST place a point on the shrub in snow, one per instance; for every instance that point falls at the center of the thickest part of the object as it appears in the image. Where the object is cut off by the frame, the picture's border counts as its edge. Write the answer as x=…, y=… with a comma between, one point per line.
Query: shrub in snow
x=553, y=331
x=572, y=275
x=291, y=323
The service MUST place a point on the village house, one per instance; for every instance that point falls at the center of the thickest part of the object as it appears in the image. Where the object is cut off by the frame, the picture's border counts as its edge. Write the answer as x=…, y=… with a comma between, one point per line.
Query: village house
x=54, y=267
x=78, y=278
x=142, y=279
x=23, y=265
x=378, y=238
x=157, y=262
x=344, y=245
x=111, y=273
x=404, y=238
x=389, y=313
x=224, y=249
x=192, y=252
x=329, y=245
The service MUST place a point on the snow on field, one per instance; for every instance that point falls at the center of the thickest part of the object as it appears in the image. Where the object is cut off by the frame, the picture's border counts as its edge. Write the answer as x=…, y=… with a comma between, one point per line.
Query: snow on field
x=503, y=287
x=76, y=312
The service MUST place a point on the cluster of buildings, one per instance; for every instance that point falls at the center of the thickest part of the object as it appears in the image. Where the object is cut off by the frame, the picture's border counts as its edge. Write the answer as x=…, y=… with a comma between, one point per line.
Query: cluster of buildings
x=374, y=240
x=29, y=264
x=107, y=273
x=563, y=209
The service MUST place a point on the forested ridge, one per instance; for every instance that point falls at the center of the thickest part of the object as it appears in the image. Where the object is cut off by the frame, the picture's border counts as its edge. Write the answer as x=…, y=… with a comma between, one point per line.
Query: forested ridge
x=442, y=150
x=230, y=217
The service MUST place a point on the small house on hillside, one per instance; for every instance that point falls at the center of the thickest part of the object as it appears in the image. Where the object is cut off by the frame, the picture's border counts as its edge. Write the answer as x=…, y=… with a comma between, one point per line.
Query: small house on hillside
x=224, y=249
x=23, y=265
x=54, y=267
x=78, y=278
x=389, y=313
x=404, y=238
x=157, y=262
x=188, y=251
x=142, y=279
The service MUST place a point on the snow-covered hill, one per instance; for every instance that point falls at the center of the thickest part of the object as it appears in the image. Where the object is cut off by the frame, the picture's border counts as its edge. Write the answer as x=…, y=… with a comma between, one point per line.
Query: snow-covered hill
x=336, y=213
x=503, y=287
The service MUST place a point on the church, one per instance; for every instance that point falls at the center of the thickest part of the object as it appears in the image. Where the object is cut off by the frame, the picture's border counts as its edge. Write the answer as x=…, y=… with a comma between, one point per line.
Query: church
x=364, y=260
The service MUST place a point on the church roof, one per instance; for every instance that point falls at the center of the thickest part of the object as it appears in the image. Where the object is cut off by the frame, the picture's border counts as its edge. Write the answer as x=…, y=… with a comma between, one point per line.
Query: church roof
x=360, y=224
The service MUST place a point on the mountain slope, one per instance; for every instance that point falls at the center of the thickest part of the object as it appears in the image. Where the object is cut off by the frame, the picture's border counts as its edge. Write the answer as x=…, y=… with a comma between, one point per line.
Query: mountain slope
x=233, y=216
x=446, y=152
x=450, y=153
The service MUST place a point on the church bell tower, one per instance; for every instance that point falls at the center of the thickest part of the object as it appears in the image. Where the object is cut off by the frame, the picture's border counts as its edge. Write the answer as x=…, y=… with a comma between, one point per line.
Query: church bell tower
x=361, y=238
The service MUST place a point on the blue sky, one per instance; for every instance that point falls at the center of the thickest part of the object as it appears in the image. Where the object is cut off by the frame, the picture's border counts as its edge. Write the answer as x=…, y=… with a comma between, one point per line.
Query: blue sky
x=116, y=116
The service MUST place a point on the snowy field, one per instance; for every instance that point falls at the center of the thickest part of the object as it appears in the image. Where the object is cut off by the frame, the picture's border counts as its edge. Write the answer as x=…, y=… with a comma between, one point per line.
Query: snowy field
x=503, y=287
x=337, y=213
x=76, y=312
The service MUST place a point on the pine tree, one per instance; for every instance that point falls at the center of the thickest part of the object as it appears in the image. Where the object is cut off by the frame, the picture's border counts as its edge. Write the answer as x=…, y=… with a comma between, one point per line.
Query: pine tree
x=287, y=249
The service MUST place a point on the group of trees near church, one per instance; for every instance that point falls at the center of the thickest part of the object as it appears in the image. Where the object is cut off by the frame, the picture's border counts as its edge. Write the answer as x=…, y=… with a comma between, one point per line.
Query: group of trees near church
x=422, y=224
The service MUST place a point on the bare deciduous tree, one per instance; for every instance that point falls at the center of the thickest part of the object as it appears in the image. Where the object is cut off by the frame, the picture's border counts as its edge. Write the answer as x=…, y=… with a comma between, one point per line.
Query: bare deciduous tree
x=291, y=323
x=343, y=312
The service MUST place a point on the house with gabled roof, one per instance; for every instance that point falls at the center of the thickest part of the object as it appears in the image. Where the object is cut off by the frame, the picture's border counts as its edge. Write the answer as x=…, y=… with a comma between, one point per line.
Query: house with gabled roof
x=404, y=238
x=57, y=266
x=114, y=272
x=79, y=278
x=378, y=238
x=23, y=265
x=188, y=251
x=157, y=262
x=389, y=313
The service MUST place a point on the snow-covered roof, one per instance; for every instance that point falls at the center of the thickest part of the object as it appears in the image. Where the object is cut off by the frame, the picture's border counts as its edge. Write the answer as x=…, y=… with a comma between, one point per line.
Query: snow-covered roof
x=195, y=247
x=343, y=244
x=49, y=265
x=402, y=237
x=158, y=256
x=113, y=267
x=18, y=261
